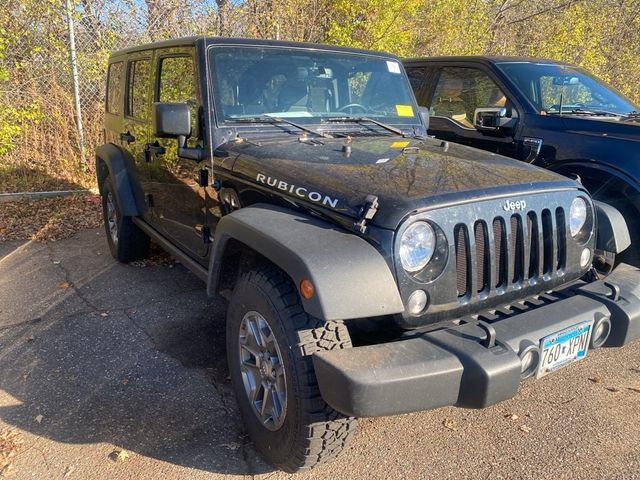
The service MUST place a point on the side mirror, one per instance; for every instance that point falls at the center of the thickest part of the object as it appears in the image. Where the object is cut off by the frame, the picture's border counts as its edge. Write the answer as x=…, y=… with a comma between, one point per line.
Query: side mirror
x=173, y=120
x=490, y=119
x=424, y=115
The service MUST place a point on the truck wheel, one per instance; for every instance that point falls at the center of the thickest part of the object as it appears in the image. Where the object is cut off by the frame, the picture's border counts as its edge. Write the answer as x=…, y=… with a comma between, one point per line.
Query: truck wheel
x=270, y=342
x=126, y=241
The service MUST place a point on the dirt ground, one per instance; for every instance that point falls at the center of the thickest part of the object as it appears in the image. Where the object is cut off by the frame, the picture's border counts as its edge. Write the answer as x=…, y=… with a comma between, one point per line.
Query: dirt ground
x=110, y=371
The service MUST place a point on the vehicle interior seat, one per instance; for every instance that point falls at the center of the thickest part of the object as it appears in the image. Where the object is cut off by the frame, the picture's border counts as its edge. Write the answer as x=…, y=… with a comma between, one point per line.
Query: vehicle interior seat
x=448, y=101
x=294, y=92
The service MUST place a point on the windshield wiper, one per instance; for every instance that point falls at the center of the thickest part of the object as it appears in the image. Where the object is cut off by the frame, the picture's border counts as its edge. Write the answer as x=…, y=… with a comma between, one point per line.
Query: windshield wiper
x=387, y=127
x=582, y=111
x=275, y=121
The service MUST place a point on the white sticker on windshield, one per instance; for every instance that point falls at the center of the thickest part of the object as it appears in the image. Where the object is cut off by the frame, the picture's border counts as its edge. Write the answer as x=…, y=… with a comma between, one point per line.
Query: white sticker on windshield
x=394, y=67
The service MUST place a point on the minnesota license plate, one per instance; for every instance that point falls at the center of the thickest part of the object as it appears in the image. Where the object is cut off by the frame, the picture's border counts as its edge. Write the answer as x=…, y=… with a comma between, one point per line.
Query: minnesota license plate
x=564, y=347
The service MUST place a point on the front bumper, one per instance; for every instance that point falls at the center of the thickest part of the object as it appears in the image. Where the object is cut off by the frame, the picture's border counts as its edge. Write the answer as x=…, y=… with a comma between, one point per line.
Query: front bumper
x=452, y=366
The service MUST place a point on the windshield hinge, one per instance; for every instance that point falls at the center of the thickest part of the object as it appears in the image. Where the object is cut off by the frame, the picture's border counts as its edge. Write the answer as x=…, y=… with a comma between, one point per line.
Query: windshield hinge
x=367, y=212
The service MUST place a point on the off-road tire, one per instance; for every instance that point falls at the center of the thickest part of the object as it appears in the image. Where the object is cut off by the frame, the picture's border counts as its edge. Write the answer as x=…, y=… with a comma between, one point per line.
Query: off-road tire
x=132, y=243
x=312, y=432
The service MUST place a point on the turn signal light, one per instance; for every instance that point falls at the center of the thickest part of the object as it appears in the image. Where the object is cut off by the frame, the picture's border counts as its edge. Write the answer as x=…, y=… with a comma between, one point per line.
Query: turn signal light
x=307, y=290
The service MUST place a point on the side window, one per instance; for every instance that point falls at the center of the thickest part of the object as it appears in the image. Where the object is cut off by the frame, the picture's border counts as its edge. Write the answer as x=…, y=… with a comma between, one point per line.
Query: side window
x=177, y=84
x=421, y=78
x=138, y=89
x=460, y=91
x=416, y=77
x=114, y=94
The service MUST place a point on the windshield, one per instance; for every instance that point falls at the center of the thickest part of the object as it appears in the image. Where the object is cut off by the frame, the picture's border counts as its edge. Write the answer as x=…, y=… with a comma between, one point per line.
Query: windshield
x=308, y=86
x=549, y=86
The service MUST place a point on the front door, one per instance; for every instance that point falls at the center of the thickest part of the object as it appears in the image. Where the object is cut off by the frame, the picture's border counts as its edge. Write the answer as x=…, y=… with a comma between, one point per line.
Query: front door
x=454, y=98
x=178, y=198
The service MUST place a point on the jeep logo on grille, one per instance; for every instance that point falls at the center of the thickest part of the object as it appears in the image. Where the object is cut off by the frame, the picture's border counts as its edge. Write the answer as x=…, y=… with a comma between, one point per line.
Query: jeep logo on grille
x=513, y=206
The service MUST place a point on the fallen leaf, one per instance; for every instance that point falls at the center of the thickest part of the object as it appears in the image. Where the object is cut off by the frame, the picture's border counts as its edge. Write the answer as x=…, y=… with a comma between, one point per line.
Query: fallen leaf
x=450, y=424
x=125, y=381
x=119, y=455
x=525, y=428
x=596, y=378
x=64, y=285
x=39, y=418
x=613, y=389
x=511, y=416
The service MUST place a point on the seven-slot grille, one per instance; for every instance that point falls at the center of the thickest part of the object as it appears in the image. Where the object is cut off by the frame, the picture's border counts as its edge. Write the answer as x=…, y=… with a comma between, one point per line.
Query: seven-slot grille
x=509, y=250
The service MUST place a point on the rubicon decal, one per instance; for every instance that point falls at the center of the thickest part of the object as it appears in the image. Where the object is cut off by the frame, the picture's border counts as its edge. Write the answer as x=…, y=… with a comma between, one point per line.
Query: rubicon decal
x=301, y=192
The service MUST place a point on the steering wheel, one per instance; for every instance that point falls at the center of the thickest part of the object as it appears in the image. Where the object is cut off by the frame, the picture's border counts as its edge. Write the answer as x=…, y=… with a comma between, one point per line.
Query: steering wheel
x=353, y=105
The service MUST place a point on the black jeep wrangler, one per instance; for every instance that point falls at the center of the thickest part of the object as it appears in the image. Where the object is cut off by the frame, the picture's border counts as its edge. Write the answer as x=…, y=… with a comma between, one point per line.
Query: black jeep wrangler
x=544, y=112
x=370, y=270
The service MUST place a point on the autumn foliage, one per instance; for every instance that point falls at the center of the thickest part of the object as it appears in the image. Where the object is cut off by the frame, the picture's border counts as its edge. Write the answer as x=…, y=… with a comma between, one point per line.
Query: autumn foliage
x=39, y=148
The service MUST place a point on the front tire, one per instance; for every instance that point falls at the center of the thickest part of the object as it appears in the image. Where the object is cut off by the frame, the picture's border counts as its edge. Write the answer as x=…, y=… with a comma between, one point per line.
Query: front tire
x=270, y=343
x=126, y=241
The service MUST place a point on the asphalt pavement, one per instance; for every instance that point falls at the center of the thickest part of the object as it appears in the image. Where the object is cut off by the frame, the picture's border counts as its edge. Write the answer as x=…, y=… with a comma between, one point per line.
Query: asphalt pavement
x=111, y=371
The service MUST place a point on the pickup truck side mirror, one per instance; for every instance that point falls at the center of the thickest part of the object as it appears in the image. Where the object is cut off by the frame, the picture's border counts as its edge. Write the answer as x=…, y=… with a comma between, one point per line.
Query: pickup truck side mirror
x=173, y=120
x=490, y=119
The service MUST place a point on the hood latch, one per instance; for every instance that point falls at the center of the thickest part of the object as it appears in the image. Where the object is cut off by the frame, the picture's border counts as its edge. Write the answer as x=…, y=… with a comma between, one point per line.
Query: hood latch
x=367, y=212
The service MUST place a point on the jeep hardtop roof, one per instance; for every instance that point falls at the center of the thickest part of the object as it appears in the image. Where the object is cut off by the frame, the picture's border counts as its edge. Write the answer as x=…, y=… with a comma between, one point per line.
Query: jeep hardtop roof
x=188, y=41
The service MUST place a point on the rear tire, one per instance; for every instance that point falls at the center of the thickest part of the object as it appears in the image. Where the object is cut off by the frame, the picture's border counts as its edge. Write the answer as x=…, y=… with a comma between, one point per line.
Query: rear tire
x=126, y=241
x=307, y=431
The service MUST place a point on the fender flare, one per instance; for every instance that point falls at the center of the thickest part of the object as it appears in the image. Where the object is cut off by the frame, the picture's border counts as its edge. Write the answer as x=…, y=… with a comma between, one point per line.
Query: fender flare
x=119, y=165
x=600, y=170
x=351, y=278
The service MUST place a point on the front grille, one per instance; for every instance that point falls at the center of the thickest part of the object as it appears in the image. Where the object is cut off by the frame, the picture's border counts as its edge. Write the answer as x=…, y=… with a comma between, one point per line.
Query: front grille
x=516, y=249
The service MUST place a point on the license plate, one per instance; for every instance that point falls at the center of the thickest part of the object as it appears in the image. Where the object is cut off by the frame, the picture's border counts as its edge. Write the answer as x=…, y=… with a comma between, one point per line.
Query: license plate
x=563, y=347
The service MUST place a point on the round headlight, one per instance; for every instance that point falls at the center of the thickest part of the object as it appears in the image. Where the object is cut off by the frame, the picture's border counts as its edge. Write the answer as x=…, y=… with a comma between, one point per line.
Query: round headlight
x=577, y=215
x=417, y=246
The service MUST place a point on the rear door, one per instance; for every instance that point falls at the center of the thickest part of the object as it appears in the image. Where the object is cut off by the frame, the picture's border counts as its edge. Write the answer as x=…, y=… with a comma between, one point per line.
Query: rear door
x=179, y=200
x=137, y=117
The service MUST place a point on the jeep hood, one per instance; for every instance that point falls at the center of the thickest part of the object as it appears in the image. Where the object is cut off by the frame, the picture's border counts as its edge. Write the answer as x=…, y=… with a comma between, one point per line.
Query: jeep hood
x=406, y=175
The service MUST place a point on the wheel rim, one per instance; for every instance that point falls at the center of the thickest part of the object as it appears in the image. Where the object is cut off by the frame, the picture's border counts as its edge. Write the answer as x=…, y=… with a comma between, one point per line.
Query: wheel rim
x=262, y=370
x=112, y=218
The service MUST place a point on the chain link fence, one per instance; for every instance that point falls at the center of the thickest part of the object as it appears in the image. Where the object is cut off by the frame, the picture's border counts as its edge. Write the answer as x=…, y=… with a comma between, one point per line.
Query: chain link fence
x=56, y=86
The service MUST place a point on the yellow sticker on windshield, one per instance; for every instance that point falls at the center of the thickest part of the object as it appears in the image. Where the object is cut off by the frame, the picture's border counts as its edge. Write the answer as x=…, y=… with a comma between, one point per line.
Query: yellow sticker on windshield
x=400, y=144
x=404, y=110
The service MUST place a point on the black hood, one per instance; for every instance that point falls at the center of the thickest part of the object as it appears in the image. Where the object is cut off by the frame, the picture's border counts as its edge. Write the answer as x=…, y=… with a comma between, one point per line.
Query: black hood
x=605, y=127
x=406, y=175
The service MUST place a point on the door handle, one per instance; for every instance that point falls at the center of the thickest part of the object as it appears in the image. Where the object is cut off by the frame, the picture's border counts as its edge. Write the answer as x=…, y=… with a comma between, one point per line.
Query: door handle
x=127, y=137
x=153, y=149
x=535, y=145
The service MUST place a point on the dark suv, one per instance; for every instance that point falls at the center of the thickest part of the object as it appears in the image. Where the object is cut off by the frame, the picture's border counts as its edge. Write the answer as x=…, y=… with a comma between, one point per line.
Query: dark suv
x=360, y=258
x=544, y=112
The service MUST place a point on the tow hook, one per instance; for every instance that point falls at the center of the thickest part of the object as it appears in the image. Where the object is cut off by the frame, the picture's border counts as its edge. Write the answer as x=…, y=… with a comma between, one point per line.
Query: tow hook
x=367, y=212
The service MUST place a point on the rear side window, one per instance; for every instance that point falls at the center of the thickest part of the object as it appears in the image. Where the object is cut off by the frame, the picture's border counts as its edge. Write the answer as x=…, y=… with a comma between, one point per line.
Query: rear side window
x=138, y=89
x=114, y=94
x=177, y=84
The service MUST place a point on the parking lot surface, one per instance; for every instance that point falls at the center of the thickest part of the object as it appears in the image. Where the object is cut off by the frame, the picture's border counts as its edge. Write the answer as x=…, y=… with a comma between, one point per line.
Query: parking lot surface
x=112, y=371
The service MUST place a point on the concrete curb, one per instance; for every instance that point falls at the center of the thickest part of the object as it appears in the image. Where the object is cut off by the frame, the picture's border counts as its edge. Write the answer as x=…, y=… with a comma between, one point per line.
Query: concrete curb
x=12, y=197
